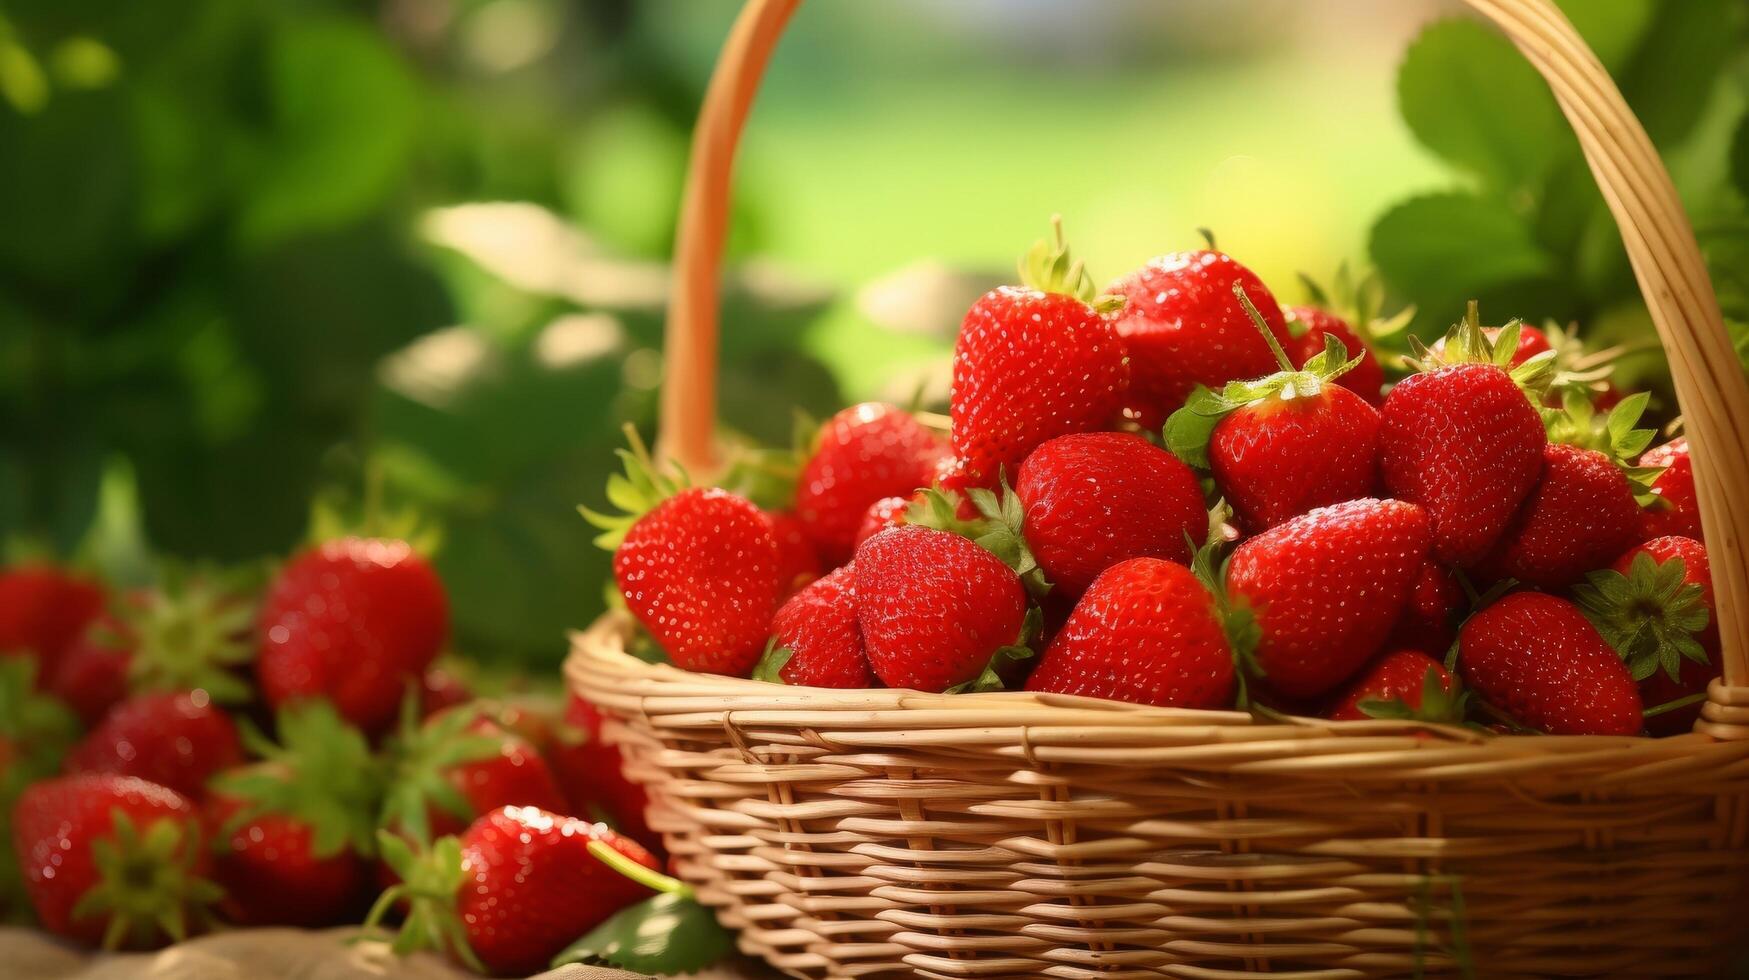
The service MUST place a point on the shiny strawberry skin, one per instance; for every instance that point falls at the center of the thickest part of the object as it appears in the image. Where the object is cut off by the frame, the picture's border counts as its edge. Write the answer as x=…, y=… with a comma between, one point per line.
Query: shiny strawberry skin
x=1681, y=516
x=1399, y=675
x=592, y=774
x=700, y=571
x=1578, y=518
x=882, y=514
x=55, y=824
x=1430, y=616
x=820, y=629
x=1183, y=327
x=865, y=452
x=797, y=562
x=1146, y=631
x=531, y=887
x=43, y=610
x=1325, y=588
x=517, y=775
x=933, y=607
x=1466, y=444
x=1094, y=499
x=353, y=620
x=1030, y=366
x=1278, y=458
x=1539, y=660
x=1366, y=379
x=272, y=876
x=177, y=740
x=1691, y=677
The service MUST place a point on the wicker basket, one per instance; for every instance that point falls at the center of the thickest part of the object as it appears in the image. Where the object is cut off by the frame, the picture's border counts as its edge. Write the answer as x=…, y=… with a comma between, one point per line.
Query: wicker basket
x=887, y=832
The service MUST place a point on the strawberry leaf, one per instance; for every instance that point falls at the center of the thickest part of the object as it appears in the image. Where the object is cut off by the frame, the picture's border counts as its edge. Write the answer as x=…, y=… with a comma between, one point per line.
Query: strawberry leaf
x=1652, y=616
x=771, y=664
x=1048, y=268
x=192, y=632
x=322, y=773
x=419, y=758
x=666, y=935
x=1003, y=534
x=633, y=494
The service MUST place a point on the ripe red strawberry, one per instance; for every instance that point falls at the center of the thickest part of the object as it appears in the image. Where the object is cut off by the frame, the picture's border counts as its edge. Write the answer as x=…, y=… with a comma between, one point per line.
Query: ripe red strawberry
x=935, y=609
x=294, y=829
x=354, y=620
x=882, y=514
x=1366, y=378
x=1676, y=512
x=92, y=674
x=1530, y=342
x=1284, y=444
x=1405, y=684
x=1430, y=617
x=112, y=859
x=592, y=774
x=1182, y=329
x=440, y=689
x=1325, y=588
x=42, y=610
x=797, y=562
x=1655, y=607
x=446, y=771
x=518, y=887
x=816, y=641
x=1032, y=362
x=1537, y=659
x=175, y=740
x=1464, y=441
x=863, y=453
x=1146, y=631
x=35, y=731
x=1093, y=499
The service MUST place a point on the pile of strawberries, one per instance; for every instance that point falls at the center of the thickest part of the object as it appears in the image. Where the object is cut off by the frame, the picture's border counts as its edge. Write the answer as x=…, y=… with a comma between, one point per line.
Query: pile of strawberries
x=1174, y=492
x=147, y=800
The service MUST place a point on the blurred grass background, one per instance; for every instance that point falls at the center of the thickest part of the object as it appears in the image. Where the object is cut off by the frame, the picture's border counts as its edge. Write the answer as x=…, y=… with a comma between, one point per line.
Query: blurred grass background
x=257, y=254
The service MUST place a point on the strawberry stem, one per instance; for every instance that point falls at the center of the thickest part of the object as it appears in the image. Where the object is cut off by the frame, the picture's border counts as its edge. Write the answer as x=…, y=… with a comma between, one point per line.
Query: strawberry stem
x=1262, y=326
x=1676, y=705
x=648, y=877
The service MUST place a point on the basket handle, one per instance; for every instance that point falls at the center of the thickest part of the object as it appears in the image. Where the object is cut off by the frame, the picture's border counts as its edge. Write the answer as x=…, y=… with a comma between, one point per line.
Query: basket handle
x=1710, y=385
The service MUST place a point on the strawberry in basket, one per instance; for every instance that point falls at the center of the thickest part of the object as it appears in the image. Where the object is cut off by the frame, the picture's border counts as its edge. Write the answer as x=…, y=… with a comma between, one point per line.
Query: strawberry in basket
x=861, y=455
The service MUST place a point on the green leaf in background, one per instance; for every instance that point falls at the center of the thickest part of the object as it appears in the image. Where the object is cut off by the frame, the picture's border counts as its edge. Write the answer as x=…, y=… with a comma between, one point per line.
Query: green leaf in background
x=1428, y=243
x=1670, y=79
x=1740, y=157
x=667, y=935
x=1470, y=97
x=1613, y=28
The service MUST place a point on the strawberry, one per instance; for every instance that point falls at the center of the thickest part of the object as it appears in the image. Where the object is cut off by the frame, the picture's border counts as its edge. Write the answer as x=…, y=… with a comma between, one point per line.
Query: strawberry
x=1366, y=378
x=882, y=514
x=1325, y=588
x=816, y=641
x=112, y=859
x=1583, y=512
x=1093, y=499
x=516, y=888
x=1032, y=362
x=92, y=674
x=448, y=770
x=354, y=620
x=1146, y=631
x=1182, y=329
x=935, y=609
x=1351, y=312
x=861, y=454
x=1530, y=342
x=1676, y=509
x=1539, y=661
x=1464, y=441
x=175, y=740
x=294, y=830
x=42, y=610
x=1284, y=444
x=1430, y=617
x=440, y=689
x=1401, y=684
x=592, y=774
x=797, y=562
x=1655, y=607
x=35, y=732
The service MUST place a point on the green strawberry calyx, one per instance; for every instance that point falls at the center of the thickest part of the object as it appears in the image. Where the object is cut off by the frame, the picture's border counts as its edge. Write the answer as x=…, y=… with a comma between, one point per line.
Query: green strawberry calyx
x=419, y=759
x=1576, y=423
x=1438, y=706
x=190, y=632
x=1360, y=302
x=1049, y=268
x=634, y=493
x=990, y=678
x=147, y=883
x=999, y=528
x=35, y=728
x=1652, y=616
x=1467, y=343
x=430, y=879
x=1189, y=429
x=1238, y=621
x=1580, y=370
x=771, y=664
x=321, y=773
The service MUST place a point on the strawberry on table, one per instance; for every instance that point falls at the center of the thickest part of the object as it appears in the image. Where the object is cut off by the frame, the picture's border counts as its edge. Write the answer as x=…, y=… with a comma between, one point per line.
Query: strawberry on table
x=1146, y=631
x=1032, y=362
x=42, y=610
x=1463, y=439
x=592, y=774
x=935, y=608
x=1538, y=660
x=1402, y=684
x=1325, y=588
x=1182, y=329
x=113, y=860
x=176, y=740
x=445, y=771
x=1284, y=444
x=1091, y=500
x=816, y=641
x=862, y=454
x=1675, y=511
x=353, y=620
x=35, y=731
x=1655, y=607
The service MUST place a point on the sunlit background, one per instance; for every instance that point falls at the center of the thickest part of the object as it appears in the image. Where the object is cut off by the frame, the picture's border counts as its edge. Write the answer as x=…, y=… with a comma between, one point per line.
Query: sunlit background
x=254, y=255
